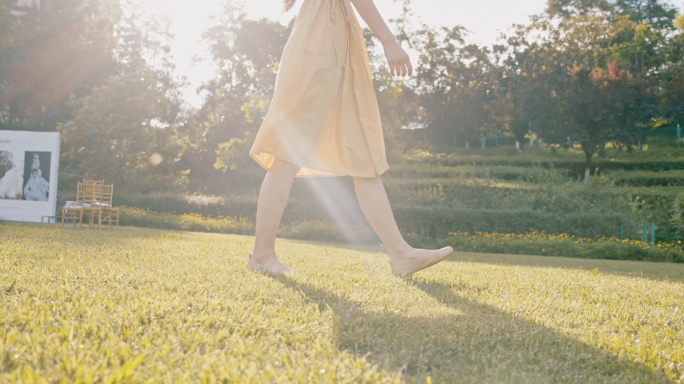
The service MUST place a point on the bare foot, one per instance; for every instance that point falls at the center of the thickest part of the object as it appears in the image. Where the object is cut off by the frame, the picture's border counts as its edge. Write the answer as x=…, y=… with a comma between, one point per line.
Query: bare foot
x=268, y=263
x=413, y=254
x=417, y=259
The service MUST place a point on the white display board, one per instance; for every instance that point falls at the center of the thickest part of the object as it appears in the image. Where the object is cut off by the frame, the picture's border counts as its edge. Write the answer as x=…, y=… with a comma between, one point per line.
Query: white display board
x=29, y=164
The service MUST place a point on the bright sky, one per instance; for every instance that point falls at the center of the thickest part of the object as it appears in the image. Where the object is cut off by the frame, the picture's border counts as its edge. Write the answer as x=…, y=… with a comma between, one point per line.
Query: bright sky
x=485, y=20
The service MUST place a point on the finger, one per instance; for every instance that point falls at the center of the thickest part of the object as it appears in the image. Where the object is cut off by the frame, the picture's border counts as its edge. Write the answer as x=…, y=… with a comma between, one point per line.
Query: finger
x=400, y=68
x=404, y=70
x=410, y=67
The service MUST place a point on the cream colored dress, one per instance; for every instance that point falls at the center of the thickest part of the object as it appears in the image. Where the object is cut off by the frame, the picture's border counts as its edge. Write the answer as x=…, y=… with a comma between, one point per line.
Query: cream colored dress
x=324, y=115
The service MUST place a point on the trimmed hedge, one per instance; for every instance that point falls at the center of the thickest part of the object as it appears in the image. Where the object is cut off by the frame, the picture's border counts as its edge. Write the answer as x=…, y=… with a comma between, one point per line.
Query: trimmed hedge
x=565, y=246
x=136, y=217
x=531, y=243
x=431, y=217
x=535, y=174
x=432, y=222
x=305, y=230
x=436, y=223
x=649, y=179
x=500, y=172
x=655, y=160
x=176, y=204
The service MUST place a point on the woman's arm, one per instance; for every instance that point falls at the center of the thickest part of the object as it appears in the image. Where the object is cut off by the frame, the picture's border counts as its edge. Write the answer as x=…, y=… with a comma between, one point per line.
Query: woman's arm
x=397, y=59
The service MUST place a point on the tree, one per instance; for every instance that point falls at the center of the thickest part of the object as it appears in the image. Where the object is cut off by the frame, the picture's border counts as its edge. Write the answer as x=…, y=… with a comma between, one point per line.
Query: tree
x=47, y=55
x=246, y=54
x=397, y=100
x=525, y=85
x=451, y=83
x=660, y=15
x=588, y=78
x=678, y=216
x=672, y=76
x=120, y=125
x=600, y=105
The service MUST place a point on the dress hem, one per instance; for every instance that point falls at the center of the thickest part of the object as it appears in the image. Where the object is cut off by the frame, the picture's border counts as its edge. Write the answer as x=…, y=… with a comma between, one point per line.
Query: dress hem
x=254, y=155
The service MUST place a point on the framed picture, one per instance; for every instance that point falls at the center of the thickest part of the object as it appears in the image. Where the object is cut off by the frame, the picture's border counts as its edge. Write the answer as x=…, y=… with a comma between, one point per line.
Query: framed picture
x=29, y=163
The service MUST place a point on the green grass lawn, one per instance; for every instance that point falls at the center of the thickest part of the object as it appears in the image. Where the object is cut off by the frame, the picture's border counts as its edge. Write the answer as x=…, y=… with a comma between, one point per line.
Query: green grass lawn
x=142, y=305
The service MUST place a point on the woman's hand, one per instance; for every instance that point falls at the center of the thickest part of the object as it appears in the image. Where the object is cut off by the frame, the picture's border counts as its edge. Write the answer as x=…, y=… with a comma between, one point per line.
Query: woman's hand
x=397, y=59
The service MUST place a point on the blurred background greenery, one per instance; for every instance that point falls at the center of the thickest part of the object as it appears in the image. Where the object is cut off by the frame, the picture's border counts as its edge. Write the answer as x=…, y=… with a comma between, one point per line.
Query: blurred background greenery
x=568, y=125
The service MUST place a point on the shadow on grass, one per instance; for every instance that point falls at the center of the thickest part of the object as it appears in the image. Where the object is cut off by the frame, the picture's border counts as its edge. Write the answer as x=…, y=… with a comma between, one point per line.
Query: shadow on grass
x=640, y=269
x=474, y=344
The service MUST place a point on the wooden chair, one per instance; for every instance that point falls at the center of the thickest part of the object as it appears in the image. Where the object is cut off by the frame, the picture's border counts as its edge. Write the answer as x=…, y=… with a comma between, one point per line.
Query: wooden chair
x=107, y=212
x=91, y=193
x=92, y=197
x=73, y=212
x=85, y=194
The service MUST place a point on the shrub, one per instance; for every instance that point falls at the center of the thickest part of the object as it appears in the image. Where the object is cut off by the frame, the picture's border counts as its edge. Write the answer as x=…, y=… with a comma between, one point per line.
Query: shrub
x=678, y=217
x=663, y=159
x=177, y=204
x=530, y=243
x=304, y=230
x=137, y=217
x=435, y=223
x=542, y=244
x=649, y=179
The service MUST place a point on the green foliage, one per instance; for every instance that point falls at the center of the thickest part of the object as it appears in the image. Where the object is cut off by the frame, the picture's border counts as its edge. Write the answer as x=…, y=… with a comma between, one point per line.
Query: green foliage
x=583, y=72
x=591, y=74
x=435, y=223
x=536, y=243
x=649, y=179
x=600, y=105
x=220, y=133
x=661, y=15
x=572, y=160
x=187, y=222
x=148, y=305
x=451, y=83
x=678, y=217
x=177, y=204
x=125, y=131
x=304, y=230
x=230, y=156
x=117, y=141
x=519, y=233
x=65, y=49
x=478, y=197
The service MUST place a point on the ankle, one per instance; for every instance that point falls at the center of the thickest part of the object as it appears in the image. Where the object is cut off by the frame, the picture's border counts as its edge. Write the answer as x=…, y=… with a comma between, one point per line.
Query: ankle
x=264, y=256
x=403, y=253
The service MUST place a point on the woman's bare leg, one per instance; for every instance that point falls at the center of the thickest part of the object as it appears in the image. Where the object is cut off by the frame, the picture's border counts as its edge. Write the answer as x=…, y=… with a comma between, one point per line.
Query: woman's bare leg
x=273, y=196
x=376, y=207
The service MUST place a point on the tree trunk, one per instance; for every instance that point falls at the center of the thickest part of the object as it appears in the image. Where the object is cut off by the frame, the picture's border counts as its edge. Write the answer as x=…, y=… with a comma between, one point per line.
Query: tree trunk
x=588, y=153
x=587, y=169
x=602, y=150
x=519, y=140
